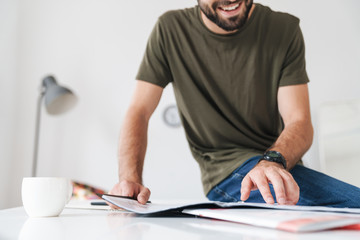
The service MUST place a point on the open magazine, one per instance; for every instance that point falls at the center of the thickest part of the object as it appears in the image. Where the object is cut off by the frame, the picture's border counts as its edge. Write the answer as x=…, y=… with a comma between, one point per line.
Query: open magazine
x=287, y=220
x=282, y=217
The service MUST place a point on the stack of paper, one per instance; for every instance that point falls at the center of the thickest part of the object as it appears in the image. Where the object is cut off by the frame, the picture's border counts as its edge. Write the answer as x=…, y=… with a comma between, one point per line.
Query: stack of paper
x=282, y=217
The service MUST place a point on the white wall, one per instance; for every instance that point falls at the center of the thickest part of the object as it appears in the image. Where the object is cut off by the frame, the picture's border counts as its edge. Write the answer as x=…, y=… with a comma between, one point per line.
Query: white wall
x=94, y=47
x=8, y=41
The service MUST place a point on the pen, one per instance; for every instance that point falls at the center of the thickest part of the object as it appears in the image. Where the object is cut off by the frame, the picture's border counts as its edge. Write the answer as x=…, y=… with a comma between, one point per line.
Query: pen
x=99, y=203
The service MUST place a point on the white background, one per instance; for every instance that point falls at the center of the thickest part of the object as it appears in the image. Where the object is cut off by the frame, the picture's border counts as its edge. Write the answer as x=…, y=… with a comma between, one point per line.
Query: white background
x=94, y=47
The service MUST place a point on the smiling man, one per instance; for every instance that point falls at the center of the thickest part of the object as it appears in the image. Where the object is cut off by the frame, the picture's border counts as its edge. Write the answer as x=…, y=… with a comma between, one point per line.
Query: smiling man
x=239, y=77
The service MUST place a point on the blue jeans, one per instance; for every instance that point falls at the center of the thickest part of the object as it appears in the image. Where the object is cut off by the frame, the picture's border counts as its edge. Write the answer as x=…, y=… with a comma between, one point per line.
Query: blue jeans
x=316, y=189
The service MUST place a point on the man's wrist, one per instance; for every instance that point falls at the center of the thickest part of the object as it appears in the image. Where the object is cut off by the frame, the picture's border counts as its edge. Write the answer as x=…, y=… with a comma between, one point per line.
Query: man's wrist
x=274, y=156
x=130, y=179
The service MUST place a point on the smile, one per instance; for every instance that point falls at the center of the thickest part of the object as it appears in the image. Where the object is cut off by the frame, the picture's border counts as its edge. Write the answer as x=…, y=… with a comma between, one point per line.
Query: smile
x=230, y=8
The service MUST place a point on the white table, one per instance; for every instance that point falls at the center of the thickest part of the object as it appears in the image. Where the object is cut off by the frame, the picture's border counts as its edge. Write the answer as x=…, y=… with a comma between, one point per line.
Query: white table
x=105, y=224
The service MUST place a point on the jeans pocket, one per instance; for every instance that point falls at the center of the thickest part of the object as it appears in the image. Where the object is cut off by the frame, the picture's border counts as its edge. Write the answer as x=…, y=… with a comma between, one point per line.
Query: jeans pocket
x=223, y=196
x=237, y=176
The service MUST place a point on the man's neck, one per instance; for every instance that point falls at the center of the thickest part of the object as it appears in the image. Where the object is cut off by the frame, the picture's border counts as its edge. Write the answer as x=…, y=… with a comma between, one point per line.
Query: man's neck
x=215, y=28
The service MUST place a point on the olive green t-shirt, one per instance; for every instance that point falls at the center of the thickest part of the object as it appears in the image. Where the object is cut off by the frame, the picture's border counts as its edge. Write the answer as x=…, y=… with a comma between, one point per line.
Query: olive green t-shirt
x=226, y=85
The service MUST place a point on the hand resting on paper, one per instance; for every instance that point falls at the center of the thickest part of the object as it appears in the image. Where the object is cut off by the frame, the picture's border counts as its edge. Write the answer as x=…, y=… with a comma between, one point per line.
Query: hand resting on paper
x=131, y=189
x=286, y=189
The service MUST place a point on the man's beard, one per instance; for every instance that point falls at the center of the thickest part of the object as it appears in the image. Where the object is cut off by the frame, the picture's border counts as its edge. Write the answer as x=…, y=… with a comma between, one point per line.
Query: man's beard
x=230, y=24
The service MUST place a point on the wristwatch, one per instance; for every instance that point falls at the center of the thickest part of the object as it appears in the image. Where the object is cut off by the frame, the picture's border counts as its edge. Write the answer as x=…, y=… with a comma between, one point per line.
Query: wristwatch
x=274, y=156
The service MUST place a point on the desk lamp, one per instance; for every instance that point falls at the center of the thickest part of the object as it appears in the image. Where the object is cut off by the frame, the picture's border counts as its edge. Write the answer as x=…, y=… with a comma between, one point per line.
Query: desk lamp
x=57, y=100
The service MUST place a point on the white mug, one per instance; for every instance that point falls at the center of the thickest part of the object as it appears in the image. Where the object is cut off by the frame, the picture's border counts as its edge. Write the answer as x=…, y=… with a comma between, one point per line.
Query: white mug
x=45, y=196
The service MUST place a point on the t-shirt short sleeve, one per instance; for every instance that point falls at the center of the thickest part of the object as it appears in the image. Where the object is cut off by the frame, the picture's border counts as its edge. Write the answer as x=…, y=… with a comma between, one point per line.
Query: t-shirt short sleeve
x=294, y=68
x=154, y=67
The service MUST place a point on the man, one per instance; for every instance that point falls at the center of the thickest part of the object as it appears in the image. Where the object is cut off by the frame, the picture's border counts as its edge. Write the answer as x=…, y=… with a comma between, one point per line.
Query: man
x=238, y=73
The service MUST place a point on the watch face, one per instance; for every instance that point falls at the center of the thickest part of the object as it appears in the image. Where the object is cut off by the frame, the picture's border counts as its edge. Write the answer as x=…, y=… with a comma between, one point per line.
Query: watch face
x=272, y=154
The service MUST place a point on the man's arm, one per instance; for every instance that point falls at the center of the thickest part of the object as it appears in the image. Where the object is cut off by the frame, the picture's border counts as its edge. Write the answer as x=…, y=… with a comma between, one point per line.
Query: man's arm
x=293, y=142
x=133, y=142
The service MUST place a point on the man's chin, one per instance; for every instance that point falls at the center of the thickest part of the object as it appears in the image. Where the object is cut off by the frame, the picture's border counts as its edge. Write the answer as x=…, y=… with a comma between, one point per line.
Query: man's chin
x=230, y=27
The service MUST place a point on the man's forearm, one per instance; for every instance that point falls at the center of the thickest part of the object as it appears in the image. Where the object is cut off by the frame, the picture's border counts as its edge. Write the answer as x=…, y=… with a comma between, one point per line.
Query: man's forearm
x=132, y=147
x=294, y=141
x=133, y=142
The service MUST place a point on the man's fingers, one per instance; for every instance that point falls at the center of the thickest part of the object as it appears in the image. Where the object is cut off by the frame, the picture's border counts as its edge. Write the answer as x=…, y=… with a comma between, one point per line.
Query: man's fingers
x=144, y=195
x=286, y=189
x=291, y=188
x=253, y=180
x=128, y=189
x=278, y=183
x=131, y=189
x=263, y=185
x=135, y=190
x=246, y=186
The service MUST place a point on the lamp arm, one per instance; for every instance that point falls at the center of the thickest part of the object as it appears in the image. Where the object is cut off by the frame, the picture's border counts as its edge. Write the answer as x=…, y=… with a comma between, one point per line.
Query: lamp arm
x=37, y=131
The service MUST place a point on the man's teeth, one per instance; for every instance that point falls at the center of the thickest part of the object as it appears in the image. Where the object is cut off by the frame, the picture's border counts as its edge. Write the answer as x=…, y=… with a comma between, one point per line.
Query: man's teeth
x=230, y=8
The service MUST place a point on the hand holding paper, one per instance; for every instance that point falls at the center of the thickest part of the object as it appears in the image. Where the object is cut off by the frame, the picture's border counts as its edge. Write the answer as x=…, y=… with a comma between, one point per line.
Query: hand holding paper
x=131, y=189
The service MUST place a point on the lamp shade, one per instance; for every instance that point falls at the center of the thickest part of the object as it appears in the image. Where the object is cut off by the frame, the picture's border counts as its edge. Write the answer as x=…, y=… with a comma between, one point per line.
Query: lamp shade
x=57, y=99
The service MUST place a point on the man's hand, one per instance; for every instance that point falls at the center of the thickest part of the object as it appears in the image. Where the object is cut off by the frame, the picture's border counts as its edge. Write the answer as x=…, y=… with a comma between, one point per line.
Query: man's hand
x=265, y=172
x=131, y=189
